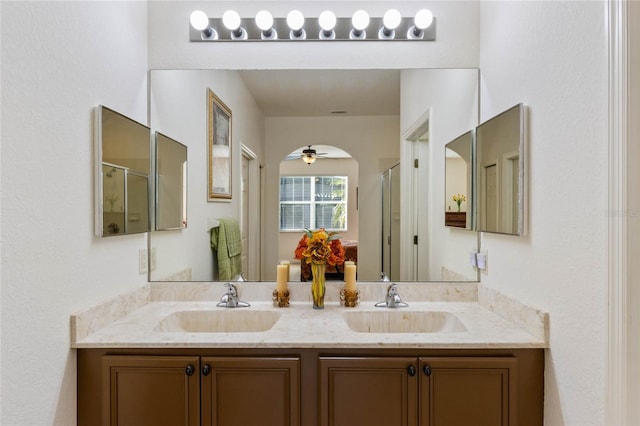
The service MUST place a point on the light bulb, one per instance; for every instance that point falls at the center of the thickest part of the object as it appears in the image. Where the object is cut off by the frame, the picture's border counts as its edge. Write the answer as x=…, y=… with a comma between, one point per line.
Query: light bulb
x=360, y=20
x=327, y=20
x=264, y=20
x=231, y=20
x=199, y=20
x=391, y=19
x=423, y=19
x=295, y=20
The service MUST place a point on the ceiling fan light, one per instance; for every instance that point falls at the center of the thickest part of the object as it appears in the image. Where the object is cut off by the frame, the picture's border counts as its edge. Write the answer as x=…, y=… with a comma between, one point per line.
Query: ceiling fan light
x=309, y=159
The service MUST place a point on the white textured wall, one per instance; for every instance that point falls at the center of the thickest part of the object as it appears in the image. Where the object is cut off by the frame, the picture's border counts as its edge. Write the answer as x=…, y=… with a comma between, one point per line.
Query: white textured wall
x=552, y=56
x=59, y=60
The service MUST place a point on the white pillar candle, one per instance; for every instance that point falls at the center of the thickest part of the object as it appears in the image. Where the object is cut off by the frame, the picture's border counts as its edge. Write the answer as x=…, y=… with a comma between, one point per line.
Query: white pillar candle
x=350, y=277
x=281, y=283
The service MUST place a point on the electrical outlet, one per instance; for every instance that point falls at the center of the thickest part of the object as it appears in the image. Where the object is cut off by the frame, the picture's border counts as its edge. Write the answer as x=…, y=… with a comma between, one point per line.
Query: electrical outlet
x=154, y=259
x=143, y=261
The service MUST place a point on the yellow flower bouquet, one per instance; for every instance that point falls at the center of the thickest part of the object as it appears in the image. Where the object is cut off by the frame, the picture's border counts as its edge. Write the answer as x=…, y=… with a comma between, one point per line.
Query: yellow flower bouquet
x=459, y=198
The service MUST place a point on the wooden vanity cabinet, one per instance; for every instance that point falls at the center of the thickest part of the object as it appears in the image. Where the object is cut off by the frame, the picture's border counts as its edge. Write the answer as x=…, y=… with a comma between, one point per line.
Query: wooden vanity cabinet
x=150, y=390
x=250, y=391
x=368, y=391
x=478, y=391
x=193, y=391
x=443, y=391
x=310, y=387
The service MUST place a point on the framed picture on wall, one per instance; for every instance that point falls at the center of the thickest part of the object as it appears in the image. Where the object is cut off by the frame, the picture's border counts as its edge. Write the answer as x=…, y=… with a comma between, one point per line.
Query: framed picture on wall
x=219, y=135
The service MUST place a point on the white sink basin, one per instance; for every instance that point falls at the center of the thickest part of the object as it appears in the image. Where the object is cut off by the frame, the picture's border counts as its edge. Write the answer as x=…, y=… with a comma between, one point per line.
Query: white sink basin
x=218, y=321
x=403, y=322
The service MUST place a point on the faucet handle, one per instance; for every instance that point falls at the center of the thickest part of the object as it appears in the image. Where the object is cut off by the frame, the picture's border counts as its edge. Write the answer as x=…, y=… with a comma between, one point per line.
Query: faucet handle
x=230, y=299
x=393, y=299
x=232, y=290
x=392, y=290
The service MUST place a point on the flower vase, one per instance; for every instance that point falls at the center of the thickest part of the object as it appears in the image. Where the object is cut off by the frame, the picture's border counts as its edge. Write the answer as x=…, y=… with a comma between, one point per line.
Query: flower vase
x=459, y=205
x=317, y=285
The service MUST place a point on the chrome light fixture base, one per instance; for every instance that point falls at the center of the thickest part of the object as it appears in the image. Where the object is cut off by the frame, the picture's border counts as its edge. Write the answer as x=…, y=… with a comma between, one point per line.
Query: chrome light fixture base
x=341, y=32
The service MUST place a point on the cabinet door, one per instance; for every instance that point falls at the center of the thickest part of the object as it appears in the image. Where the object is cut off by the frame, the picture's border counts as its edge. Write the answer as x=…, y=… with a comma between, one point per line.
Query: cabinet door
x=468, y=391
x=368, y=391
x=251, y=391
x=150, y=390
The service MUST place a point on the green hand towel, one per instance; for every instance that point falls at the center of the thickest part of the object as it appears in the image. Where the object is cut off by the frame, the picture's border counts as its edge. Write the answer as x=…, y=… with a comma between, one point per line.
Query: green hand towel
x=226, y=241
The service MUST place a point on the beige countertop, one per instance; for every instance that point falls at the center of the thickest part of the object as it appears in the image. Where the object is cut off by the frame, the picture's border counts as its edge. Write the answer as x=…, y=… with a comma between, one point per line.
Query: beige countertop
x=133, y=320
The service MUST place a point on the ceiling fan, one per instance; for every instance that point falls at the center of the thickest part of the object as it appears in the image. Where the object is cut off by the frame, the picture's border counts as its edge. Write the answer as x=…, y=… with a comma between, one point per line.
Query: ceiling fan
x=308, y=155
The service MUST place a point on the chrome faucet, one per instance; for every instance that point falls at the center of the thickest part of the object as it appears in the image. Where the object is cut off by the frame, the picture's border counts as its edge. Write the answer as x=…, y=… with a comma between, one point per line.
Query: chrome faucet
x=393, y=299
x=230, y=299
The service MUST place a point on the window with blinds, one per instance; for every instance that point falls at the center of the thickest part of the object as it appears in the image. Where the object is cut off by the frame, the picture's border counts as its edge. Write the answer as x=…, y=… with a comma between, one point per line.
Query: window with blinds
x=312, y=202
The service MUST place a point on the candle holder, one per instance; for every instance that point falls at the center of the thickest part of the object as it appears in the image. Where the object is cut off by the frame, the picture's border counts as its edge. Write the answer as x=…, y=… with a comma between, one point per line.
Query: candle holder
x=281, y=298
x=349, y=298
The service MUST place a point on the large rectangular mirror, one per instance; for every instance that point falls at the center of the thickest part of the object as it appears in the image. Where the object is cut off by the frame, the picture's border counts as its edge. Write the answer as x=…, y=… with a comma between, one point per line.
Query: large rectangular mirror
x=355, y=121
x=459, y=182
x=170, y=184
x=122, y=174
x=500, y=162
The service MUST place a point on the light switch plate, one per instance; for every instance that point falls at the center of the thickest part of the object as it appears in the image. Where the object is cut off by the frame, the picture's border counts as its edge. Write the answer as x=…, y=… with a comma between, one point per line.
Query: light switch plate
x=154, y=259
x=482, y=258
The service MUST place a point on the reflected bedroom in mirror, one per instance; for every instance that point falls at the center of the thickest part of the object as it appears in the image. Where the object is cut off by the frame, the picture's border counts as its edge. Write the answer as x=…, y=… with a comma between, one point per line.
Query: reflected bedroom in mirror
x=312, y=149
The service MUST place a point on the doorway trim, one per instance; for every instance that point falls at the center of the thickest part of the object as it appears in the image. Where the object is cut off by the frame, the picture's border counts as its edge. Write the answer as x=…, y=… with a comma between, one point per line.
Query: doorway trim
x=623, y=354
x=253, y=249
x=415, y=198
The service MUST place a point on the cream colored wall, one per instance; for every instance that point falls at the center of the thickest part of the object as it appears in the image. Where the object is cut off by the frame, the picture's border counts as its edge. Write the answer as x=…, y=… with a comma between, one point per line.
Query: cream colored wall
x=59, y=61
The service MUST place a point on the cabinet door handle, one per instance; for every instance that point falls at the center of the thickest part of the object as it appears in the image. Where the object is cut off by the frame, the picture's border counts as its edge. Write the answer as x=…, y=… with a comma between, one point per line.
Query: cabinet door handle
x=190, y=370
x=426, y=370
x=206, y=370
x=411, y=370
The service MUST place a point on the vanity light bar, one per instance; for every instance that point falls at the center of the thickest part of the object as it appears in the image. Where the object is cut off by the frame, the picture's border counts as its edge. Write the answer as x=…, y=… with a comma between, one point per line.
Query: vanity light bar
x=204, y=28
